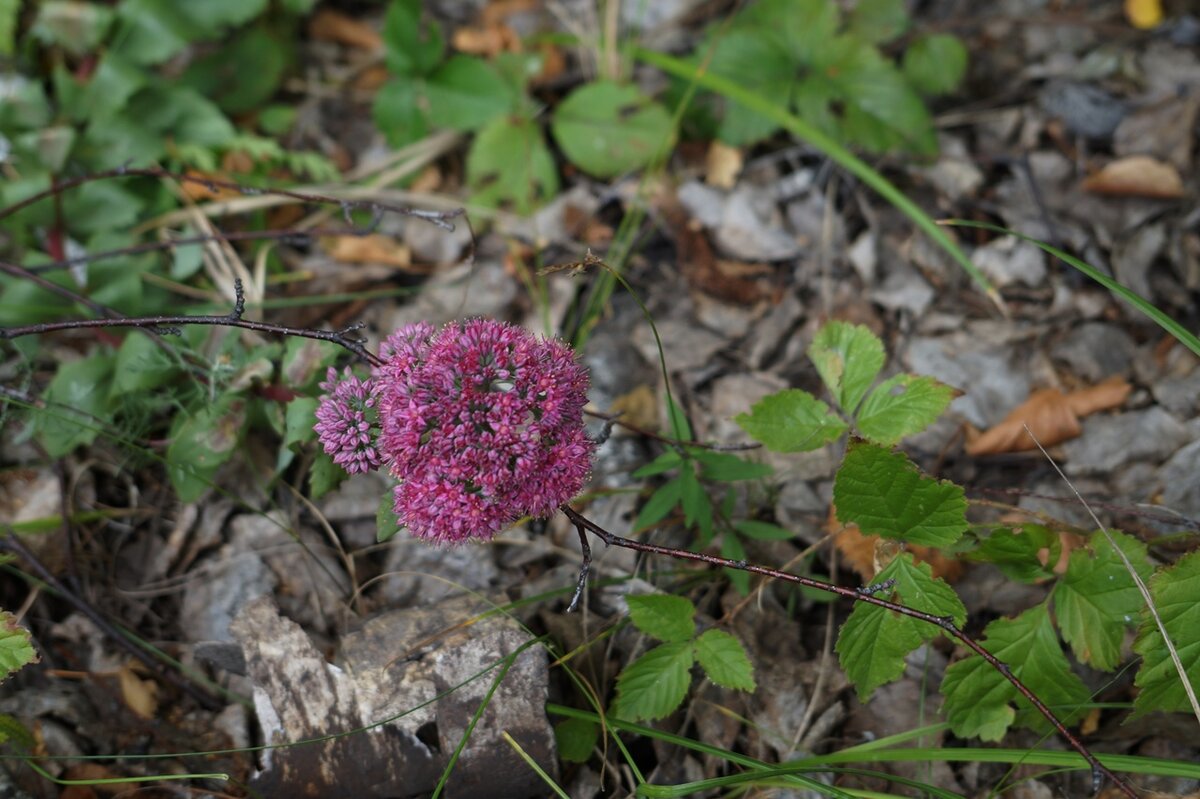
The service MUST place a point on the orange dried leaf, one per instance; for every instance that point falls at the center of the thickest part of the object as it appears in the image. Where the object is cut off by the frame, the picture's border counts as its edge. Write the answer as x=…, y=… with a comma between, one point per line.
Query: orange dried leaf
x=197, y=192
x=1110, y=393
x=1049, y=417
x=868, y=554
x=1137, y=176
x=373, y=249
x=333, y=26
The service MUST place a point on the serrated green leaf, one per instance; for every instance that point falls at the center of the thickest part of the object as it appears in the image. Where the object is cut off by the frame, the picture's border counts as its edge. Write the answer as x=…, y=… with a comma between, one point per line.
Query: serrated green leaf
x=762, y=531
x=791, y=421
x=465, y=93
x=885, y=494
x=209, y=19
x=1176, y=594
x=980, y=702
x=141, y=365
x=607, y=128
x=301, y=413
x=1016, y=553
x=660, y=504
x=14, y=733
x=724, y=660
x=764, y=63
x=697, y=508
x=728, y=468
x=16, y=645
x=664, y=462
x=663, y=616
x=386, y=522
x=848, y=358
x=882, y=112
x=151, y=31
x=576, y=738
x=244, y=73
x=654, y=685
x=78, y=404
x=202, y=442
x=878, y=21
x=874, y=641
x=935, y=64
x=510, y=163
x=324, y=475
x=1096, y=600
x=901, y=406
x=101, y=205
x=732, y=549
x=414, y=42
x=397, y=111
x=799, y=27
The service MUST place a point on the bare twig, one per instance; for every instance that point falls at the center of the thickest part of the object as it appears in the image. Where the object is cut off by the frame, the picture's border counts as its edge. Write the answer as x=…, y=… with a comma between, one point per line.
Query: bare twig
x=946, y=623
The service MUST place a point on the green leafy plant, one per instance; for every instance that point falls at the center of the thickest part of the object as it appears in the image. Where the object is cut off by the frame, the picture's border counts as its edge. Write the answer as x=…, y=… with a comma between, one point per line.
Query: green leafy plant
x=604, y=128
x=16, y=650
x=831, y=72
x=1090, y=606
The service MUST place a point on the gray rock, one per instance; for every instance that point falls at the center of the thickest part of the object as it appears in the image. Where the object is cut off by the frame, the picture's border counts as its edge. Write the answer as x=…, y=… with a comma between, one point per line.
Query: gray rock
x=904, y=289
x=209, y=605
x=992, y=386
x=1085, y=109
x=1096, y=350
x=1180, y=480
x=1010, y=260
x=419, y=574
x=1111, y=441
x=1179, y=395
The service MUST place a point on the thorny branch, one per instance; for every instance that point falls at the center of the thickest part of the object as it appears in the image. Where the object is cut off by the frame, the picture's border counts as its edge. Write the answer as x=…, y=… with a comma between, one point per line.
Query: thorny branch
x=583, y=526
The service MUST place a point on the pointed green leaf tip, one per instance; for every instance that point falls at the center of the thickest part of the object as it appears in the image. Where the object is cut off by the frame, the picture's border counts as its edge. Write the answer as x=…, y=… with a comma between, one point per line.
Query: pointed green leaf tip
x=979, y=701
x=791, y=421
x=724, y=660
x=663, y=616
x=885, y=494
x=1176, y=594
x=848, y=358
x=901, y=406
x=655, y=684
x=874, y=641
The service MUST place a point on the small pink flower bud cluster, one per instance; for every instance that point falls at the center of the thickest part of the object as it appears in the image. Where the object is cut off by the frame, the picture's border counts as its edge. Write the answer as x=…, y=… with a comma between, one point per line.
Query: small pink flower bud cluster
x=480, y=422
x=344, y=422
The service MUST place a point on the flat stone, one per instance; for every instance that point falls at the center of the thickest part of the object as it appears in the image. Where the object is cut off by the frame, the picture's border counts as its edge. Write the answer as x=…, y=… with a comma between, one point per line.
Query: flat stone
x=904, y=289
x=1179, y=395
x=992, y=386
x=1180, y=481
x=1010, y=260
x=1096, y=350
x=1111, y=441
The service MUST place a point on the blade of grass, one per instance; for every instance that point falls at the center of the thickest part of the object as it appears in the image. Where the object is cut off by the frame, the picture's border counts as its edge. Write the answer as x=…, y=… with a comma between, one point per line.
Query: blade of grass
x=836, y=152
x=1185, y=337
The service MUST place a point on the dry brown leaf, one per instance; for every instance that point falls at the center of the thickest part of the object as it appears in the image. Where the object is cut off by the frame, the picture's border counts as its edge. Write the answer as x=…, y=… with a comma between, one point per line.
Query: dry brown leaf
x=371, y=78
x=867, y=554
x=375, y=248
x=638, y=407
x=333, y=26
x=1052, y=417
x=487, y=41
x=722, y=165
x=141, y=695
x=198, y=192
x=1137, y=176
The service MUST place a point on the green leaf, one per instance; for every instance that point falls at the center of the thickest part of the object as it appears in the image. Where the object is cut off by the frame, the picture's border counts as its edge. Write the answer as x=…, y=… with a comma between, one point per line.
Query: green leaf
x=664, y=462
x=654, y=685
x=305, y=362
x=76, y=27
x=16, y=645
x=414, y=43
x=874, y=641
x=882, y=112
x=387, y=524
x=465, y=93
x=762, y=531
x=1096, y=600
x=209, y=19
x=979, y=701
x=325, y=475
x=878, y=21
x=607, y=129
x=901, y=406
x=151, y=31
x=935, y=64
x=663, y=616
x=101, y=205
x=183, y=114
x=141, y=365
x=202, y=442
x=791, y=421
x=8, y=26
x=510, y=163
x=78, y=404
x=798, y=27
x=244, y=73
x=680, y=429
x=301, y=416
x=15, y=734
x=751, y=59
x=732, y=549
x=1016, y=553
x=724, y=660
x=885, y=494
x=397, y=111
x=1176, y=594
x=848, y=358
x=697, y=508
x=660, y=504
x=576, y=738
x=728, y=468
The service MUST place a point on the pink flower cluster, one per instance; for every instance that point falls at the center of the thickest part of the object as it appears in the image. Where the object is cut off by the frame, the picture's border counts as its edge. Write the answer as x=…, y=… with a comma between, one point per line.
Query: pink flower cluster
x=480, y=422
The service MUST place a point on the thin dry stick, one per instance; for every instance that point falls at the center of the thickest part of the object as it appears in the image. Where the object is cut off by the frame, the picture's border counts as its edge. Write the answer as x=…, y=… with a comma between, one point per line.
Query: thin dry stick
x=1141, y=584
x=583, y=525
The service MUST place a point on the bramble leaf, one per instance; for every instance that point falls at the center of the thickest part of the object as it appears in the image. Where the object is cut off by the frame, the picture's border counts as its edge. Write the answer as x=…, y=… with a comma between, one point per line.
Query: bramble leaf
x=885, y=494
x=901, y=406
x=848, y=358
x=1176, y=594
x=466, y=93
x=878, y=21
x=202, y=442
x=663, y=616
x=414, y=44
x=791, y=421
x=141, y=365
x=935, y=64
x=654, y=685
x=874, y=641
x=510, y=163
x=1096, y=600
x=607, y=128
x=979, y=701
x=576, y=738
x=724, y=660
x=16, y=645
x=397, y=111
x=1016, y=552
x=78, y=404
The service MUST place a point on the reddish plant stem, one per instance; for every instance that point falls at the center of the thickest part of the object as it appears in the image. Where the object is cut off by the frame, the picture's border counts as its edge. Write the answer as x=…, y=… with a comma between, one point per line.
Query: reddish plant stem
x=583, y=525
